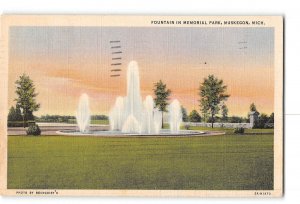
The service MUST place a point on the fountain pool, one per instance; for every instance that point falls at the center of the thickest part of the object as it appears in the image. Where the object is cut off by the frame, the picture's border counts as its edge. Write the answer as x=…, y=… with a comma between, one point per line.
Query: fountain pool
x=112, y=133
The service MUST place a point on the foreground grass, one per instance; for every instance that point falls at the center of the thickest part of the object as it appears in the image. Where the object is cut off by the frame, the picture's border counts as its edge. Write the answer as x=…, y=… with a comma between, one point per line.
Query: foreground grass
x=216, y=162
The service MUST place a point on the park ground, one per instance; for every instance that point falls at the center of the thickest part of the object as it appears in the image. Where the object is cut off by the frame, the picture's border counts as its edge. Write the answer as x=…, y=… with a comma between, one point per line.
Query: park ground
x=227, y=162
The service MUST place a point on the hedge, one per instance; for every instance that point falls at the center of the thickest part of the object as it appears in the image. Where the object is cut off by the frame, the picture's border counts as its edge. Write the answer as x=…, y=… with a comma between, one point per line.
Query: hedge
x=19, y=123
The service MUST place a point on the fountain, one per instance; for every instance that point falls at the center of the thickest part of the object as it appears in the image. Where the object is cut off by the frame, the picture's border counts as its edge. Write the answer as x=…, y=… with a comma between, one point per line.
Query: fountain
x=130, y=115
x=175, y=116
x=83, y=114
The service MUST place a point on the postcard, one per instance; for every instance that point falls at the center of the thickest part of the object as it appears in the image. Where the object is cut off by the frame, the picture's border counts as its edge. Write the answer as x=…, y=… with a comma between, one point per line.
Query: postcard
x=129, y=105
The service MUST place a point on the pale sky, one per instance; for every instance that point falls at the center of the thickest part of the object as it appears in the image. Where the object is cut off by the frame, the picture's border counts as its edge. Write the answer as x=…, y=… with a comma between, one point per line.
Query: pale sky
x=67, y=61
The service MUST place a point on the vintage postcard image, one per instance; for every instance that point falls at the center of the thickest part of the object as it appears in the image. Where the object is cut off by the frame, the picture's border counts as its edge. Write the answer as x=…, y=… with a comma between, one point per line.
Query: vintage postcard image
x=141, y=105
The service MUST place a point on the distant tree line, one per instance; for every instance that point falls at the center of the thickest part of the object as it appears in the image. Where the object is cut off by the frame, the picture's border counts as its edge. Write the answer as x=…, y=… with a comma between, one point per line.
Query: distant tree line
x=56, y=119
x=15, y=118
x=194, y=116
x=263, y=120
x=66, y=118
x=99, y=117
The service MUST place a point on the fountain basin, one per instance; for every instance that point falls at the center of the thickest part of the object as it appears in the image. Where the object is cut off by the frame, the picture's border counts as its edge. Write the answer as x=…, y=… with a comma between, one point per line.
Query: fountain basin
x=113, y=133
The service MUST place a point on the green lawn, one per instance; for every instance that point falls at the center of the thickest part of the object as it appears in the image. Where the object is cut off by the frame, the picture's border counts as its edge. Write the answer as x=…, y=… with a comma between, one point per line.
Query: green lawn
x=230, y=130
x=102, y=122
x=206, y=163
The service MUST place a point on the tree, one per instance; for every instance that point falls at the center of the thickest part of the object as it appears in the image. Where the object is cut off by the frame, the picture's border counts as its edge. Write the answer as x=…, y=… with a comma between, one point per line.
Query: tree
x=224, y=110
x=271, y=118
x=185, y=117
x=11, y=114
x=262, y=120
x=18, y=114
x=161, y=97
x=253, y=108
x=205, y=115
x=26, y=99
x=14, y=114
x=212, y=92
x=194, y=116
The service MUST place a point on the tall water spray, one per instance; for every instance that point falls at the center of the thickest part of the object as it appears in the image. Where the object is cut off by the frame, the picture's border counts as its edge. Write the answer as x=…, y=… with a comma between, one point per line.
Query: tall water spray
x=175, y=116
x=83, y=114
x=130, y=114
x=149, y=107
x=116, y=115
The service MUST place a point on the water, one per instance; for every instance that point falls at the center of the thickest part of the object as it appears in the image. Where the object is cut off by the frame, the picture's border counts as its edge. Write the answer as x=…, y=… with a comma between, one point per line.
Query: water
x=131, y=125
x=175, y=116
x=113, y=133
x=83, y=114
x=131, y=114
x=116, y=115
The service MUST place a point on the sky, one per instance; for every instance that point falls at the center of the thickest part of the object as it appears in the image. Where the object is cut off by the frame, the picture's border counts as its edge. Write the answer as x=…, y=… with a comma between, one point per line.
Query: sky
x=65, y=62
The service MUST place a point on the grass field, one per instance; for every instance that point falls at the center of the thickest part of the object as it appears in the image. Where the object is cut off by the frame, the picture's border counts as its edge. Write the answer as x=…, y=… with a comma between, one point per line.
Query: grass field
x=207, y=163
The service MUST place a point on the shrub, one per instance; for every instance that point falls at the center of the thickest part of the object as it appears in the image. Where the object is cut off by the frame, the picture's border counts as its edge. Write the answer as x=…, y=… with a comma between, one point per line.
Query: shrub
x=269, y=125
x=33, y=130
x=239, y=130
x=187, y=126
x=16, y=124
